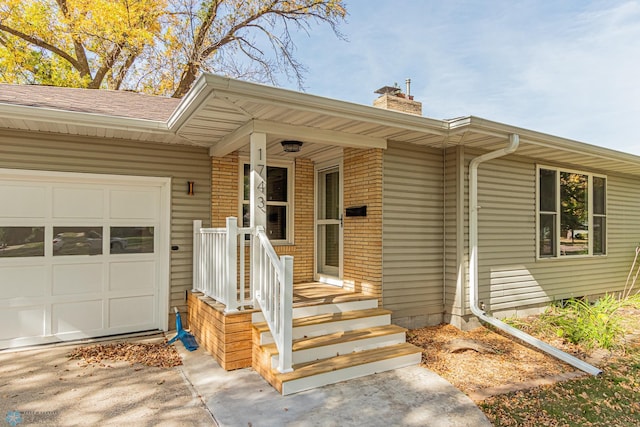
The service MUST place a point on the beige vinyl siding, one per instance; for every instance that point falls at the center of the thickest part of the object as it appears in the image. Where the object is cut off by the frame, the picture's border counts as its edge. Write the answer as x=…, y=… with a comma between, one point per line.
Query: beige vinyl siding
x=23, y=150
x=455, y=288
x=413, y=234
x=510, y=275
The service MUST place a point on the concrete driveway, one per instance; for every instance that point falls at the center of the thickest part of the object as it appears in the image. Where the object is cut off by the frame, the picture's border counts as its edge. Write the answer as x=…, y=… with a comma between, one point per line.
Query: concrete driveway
x=42, y=386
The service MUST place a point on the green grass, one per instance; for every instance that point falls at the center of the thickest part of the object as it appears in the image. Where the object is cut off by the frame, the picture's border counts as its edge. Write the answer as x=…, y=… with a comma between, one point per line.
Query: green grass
x=611, y=399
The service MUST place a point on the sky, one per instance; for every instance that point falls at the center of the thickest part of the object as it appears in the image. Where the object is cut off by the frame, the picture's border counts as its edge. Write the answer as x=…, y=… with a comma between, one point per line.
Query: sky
x=569, y=68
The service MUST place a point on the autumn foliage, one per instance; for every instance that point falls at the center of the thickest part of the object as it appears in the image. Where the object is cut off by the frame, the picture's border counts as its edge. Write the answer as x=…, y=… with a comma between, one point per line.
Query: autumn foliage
x=155, y=46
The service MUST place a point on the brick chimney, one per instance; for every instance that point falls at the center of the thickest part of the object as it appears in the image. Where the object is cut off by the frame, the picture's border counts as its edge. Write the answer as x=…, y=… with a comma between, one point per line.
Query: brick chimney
x=392, y=98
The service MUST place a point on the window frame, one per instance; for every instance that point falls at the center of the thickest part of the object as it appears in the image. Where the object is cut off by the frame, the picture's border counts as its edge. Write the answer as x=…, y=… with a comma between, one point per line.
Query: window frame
x=289, y=204
x=590, y=204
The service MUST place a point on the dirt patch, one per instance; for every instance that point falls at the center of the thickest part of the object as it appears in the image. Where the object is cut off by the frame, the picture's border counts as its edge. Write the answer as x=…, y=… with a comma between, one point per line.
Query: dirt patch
x=504, y=362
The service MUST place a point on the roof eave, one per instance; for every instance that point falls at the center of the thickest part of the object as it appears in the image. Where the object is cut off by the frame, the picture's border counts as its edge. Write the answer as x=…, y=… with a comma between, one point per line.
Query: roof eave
x=231, y=89
x=50, y=115
x=489, y=127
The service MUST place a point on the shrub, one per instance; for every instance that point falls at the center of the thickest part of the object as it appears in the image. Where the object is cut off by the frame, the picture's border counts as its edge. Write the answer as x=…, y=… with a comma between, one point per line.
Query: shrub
x=588, y=324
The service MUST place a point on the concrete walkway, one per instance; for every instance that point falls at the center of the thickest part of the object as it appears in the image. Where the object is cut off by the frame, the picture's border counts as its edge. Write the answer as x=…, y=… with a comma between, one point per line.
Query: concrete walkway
x=411, y=396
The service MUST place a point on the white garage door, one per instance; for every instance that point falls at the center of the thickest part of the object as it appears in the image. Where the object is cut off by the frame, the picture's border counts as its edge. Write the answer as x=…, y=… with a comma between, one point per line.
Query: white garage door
x=81, y=255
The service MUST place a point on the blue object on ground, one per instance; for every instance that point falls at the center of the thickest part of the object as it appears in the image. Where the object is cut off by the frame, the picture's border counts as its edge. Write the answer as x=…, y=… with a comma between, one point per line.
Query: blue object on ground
x=188, y=340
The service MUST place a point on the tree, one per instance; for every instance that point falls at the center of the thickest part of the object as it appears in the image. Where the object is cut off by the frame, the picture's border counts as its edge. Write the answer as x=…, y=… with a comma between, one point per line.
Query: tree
x=573, y=196
x=155, y=46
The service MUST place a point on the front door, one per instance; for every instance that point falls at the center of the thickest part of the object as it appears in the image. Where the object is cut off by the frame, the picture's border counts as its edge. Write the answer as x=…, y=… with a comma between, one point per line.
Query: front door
x=329, y=222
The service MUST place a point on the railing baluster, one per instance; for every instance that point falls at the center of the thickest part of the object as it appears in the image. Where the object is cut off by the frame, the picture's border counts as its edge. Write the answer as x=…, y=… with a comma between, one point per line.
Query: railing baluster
x=215, y=273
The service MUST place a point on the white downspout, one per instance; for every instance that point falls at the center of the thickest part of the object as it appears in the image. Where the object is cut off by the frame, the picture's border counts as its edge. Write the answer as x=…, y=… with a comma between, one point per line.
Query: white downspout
x=514, y=141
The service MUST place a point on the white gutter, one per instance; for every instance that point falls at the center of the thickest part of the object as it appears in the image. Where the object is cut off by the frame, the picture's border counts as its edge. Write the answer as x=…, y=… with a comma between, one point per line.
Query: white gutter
x=514, y=141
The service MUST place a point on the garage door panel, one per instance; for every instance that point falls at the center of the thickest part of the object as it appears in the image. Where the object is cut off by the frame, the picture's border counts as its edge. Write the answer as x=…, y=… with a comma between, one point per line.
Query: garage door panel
x=131, y=276
x=22, y=201
x=131, y=312
x=79, y=316
x=78, y=203
x=75, y=279
x=81, y=255
x=134, y=205
x=22, y=322
x=26, y=281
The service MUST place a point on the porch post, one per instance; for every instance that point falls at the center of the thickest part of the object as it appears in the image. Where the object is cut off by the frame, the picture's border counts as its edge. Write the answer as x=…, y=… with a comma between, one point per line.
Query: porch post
x=197, y=259
x=231, y=276
x=257, y=198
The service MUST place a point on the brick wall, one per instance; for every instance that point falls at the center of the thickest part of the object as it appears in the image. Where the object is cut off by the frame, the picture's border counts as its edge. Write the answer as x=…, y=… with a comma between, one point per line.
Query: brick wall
x=226, y=198
x=224, y=189
x=363, y=235
x=399, y=103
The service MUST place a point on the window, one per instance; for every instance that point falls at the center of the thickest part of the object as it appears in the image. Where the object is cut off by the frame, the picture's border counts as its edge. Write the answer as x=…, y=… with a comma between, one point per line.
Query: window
x=279, y=188
x=571, y=213
x=131, y=240
x=21, y=242
x=77, y=240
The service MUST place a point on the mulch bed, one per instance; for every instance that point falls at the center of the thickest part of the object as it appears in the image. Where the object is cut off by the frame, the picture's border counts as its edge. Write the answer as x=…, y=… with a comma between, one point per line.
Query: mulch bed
x=505, y=362
x=502, y=364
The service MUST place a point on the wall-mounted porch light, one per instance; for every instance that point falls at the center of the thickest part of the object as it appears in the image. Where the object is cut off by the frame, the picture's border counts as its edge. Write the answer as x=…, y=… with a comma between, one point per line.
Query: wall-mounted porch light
x=190, y=185
x=291, y=146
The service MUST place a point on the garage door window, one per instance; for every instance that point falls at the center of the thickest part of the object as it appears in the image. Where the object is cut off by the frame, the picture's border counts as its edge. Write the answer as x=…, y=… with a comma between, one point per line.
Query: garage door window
x=131, y=240
x=21, y=242
x=77, y=241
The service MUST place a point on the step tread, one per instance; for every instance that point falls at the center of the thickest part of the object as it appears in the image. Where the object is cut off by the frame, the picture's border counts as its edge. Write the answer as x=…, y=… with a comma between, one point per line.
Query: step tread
x=317, y=367
x=338, y=338
x=332, y=299
x=329, y=317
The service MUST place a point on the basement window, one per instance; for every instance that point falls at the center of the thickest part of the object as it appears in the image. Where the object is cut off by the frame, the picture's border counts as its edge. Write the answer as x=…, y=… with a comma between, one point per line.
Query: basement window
x=572, y=216
x=279, y=196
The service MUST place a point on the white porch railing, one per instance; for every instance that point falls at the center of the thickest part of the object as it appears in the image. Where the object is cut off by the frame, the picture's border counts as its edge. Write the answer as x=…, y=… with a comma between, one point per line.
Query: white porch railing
x=274, y=293
x=219, y=272
x=218, y=255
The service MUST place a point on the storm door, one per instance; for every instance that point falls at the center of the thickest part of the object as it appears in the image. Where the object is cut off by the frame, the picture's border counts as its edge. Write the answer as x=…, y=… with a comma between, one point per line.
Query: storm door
x=329, y=222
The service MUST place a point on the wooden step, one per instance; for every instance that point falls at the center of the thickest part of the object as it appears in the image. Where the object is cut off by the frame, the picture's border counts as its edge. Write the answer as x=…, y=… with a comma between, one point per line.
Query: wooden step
x=341, y=368
x=343, y=342
x=330, y=323
x=321, y=306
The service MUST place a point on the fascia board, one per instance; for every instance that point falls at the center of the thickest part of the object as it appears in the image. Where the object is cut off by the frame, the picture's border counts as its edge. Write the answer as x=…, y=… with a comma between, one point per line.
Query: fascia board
x=190, y=104
x=234, y=89
x=49, y=115
x=488, y=127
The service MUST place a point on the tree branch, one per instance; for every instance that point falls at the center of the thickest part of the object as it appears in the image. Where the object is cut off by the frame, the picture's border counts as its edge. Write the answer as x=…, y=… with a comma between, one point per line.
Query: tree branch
x=106, y=66
x=41, y=43
x=122, y=72
x=81, y=56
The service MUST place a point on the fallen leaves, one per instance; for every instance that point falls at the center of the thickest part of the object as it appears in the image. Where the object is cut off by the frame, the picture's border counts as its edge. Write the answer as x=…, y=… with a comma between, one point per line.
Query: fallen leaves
x=508, y=362
x=156, y=355
x=612, y=399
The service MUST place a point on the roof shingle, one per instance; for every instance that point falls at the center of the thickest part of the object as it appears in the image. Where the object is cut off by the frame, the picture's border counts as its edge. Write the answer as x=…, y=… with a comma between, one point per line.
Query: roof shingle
x=108, y=102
